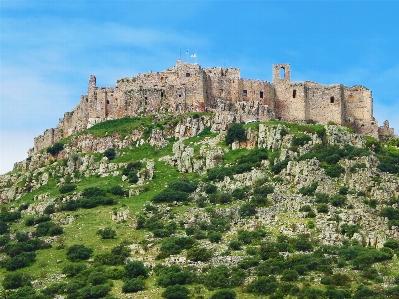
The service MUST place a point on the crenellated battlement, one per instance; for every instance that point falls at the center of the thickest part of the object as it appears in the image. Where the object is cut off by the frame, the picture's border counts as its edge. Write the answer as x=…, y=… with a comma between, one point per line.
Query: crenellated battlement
x=187, y=87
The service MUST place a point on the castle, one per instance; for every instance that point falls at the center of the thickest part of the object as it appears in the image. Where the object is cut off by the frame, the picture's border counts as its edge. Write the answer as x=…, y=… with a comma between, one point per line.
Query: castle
x=187, y=87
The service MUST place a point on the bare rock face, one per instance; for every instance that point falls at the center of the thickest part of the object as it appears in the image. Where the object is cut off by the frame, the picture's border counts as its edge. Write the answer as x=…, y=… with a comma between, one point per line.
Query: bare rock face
x=157, y=139
x=273, y=137
x=335, y=136
x=190, y=126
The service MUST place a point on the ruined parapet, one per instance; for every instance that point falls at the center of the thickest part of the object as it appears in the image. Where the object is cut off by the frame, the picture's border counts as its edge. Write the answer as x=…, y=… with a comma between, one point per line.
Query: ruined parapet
x=385, y=132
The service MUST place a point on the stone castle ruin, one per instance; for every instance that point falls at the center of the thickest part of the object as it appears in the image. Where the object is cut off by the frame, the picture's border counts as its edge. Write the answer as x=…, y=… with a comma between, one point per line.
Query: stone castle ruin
x=187, y=87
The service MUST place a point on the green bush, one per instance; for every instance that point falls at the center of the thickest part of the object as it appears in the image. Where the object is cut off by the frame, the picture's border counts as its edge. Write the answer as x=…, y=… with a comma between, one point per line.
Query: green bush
x=214, y=237
x=263, y=285
x=210, y=189
x=322, y=208
x=135, y=269
x=174, y=245
x=333, y=171
x=107, y=233
x=176, y=292
x=16, y=280
x=78, y=253
x=91, y=192
x=72, y=270
x=218, y=173
x=96, y=278
x=19, y=261
x=235, y=132
x=117, y=190
x=392, y=243
x=300, y=140
x=289, y=275
x=93, y=292
x=173, y=275
x=55, y=148
x=110, y=153
x=3, y=227
x=133, y=285
x=199, y=254
x=310, y=190
x=278, y=167
x=133, y=178
x=67, y=188
x=224, y=294
x=169, y=195
x=235, y=245
x=6, y=216
x=247, y=209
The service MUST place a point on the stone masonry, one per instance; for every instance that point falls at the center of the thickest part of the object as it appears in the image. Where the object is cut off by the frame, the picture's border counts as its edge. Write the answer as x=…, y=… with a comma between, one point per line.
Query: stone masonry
x=187, y=87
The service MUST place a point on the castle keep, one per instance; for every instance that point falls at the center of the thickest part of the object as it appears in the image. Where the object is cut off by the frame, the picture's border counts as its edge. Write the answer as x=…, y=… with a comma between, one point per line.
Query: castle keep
x=187, y=87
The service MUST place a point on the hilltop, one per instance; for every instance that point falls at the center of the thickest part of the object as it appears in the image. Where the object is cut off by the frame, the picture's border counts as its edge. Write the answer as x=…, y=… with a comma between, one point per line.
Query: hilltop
x=189, y=205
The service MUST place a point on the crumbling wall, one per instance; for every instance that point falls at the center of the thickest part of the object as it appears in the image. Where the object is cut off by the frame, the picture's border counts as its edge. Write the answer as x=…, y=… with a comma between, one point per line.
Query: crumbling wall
x=324, y=103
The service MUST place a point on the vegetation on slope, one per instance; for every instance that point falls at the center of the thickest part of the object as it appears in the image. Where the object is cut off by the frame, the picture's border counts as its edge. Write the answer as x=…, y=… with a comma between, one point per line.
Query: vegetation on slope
x=190, y=235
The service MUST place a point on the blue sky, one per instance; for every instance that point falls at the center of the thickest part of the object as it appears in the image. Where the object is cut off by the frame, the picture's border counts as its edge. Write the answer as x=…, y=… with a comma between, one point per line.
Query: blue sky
x=50, y=48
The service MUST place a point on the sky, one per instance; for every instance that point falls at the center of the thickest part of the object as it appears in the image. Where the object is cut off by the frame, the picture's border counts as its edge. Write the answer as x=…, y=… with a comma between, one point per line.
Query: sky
x=49, y=49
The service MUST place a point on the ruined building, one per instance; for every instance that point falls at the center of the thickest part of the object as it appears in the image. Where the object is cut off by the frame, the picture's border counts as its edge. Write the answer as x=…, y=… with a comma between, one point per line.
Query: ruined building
x=189, y=88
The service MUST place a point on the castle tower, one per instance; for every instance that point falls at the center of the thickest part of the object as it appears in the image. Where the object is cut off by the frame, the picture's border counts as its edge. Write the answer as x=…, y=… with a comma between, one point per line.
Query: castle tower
x=281, y=73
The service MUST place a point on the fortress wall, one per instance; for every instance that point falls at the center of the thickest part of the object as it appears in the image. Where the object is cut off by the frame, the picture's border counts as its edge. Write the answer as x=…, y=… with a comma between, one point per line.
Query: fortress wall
x=358, y=103
x=324, y=103
x=257, y=91
x=287, y=107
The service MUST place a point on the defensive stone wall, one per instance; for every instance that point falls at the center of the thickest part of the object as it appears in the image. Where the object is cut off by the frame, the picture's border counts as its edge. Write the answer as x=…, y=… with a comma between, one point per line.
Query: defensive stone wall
x=187, y=87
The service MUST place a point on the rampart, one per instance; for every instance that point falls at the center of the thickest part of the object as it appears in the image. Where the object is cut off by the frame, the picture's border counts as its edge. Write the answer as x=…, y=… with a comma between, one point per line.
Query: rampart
x=187, y=87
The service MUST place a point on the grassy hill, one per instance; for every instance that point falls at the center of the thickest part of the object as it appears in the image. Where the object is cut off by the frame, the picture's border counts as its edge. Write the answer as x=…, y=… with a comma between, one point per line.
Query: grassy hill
x=281, y=210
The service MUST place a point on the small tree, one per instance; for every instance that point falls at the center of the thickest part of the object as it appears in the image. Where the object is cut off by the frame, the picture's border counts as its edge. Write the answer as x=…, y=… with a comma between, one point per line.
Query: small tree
x=235, y=132
x=78, y=253
x=176, y=292
x=106, y=233
x=110, y=153
x=135, y=269
x=133, y=285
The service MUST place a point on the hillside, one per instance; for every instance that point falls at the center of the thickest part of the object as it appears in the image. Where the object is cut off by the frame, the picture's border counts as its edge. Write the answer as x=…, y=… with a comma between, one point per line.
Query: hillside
x=169, y=207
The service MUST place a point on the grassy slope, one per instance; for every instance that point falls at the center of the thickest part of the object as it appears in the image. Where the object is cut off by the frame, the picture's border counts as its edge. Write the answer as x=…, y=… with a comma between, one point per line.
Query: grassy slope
x=83, y=229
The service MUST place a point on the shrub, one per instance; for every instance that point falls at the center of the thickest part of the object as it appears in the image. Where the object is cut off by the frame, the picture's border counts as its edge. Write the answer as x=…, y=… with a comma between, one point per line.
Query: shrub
x=110, y=153
x=20, y=261
x=322, y=208
x=199, y=254
x=55, y=230
x=183, y=185
x=106, y=233
x=50, y=209
x=176, y=292
x=338, y=200
x=135, y=269
x=224, y=294
x=16, y=280
x=218, y=173
x=334, y=171
x=235, y=132
x=133, y=178
x=67, y=188
x=73, y=269
x=91, y=192
x=289, y=275
x=173, y=275
x=92, y=292
x=300, y=140
x=322, y=198
x=96, y=278
x=218, y=277
x=305, y=208
x=174, y=245
x=117, y=190
x=169, y=195
x=3, y=228
x=235, y=245
x=263, y=285
x=310, y=190
x=78, y=253
x=210, y=189
x=9, y=216
x=247, y=209
x=278, y=167
x=133, y=285
x=55, y=148
x=392, y=243
x=214, y=237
